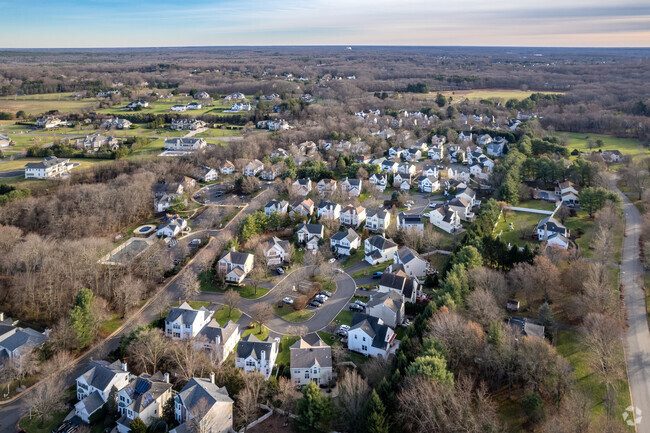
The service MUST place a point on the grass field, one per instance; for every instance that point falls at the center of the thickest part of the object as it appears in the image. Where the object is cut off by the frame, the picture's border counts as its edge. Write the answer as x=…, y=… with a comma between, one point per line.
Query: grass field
x=628, y=146
x=19, y=164
x=256, y=332
x=248, y=292
x=537, y=204
x=284, y=354
x=37, y=104
x=521, y=221
x=366, y=272
x=501, y=94
x=286, y=312
x=221, y=315
x=344, y=317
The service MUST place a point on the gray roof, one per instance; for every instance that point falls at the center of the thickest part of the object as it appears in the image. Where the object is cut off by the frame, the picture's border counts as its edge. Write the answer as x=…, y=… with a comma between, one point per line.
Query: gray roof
x=467, y=191
x=197, y=391
x=381, y=242
x=310, y=351
x=23, y=338
x=252, y=346
x=552, y=225
x=49, y=161
x=527, y=326
x=410, y=219
x=312, y=228
x=145, y=389
x=398, y=281
x=92, y=402
x=236, y=257
x=185, y=312
x=213, y=330
x=348, y=234
x=372, y=327
x=391, y=299
x=380, y=213
x=406, y=254
x=100, y=373
x=281, y=243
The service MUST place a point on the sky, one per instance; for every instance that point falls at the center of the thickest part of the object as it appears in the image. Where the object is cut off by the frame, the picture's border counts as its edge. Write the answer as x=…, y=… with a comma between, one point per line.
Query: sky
x=166, y=23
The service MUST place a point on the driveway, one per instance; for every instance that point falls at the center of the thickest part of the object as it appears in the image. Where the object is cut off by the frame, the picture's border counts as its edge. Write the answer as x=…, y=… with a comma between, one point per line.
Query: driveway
x=637, y=337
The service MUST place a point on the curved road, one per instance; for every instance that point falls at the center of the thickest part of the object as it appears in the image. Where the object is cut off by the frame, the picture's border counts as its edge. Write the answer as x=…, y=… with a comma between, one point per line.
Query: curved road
x=637, y=336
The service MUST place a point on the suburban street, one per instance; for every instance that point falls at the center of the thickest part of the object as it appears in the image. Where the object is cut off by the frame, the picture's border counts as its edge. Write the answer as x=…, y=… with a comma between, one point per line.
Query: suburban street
x=637, y=336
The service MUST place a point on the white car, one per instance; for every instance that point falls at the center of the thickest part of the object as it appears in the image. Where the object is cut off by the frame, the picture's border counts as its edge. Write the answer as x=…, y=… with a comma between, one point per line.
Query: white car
x=332, y=260
x=287, y=300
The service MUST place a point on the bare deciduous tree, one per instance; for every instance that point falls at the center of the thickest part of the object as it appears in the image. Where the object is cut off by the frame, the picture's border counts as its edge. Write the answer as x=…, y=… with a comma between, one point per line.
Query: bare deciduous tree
x=148, y=350
x=231, y=299
x=261, y=313
x=353, y=392
x=190, y=285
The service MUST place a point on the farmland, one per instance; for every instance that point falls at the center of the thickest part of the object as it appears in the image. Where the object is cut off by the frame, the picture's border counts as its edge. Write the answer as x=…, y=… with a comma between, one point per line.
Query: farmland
x=501, y=94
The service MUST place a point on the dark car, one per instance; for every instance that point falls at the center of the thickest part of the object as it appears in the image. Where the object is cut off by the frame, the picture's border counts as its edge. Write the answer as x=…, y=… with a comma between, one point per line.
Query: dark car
x=356, y=307
x=314, y=304
x=325, y=293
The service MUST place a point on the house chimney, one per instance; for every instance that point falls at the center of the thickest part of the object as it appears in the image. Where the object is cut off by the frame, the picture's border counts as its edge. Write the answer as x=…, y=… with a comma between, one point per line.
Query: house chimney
x=124, y=367
x=2, y=316
x=263, y=355
x=212, y=377
x=218, y=340
x=166, y=377
x=232, y=248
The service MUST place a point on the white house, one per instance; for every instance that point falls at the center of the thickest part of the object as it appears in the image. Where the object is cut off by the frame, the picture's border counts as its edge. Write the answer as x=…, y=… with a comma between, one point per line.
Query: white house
x=206, y=174
x=235, y=265
x=254, y=355
x=436, y=152
x=370, y=336
x=458, y=173
x=388, y=166
x=186, y=124
x=144, y=397
x=310, y=235
x=414, y=265
x=276, y=251
x=301, y=187
x=408, y=222
x=185, y=144
x=137, y=104
x=413, y=155
x=329, y=210
x=445, y=218
x=388, y=307
x=50, y=122
x=116, y=123
x=466, y=193
x=253, y=168
x=484, y=140
x=221, y=340
x=497, y=147
x=378, y=249
x=227, y=167
x=465, y=136
x=343, y=242
x=401, y=283
x=567, y=192
x=174, y=227
x=462, y=207
x=50, y=168
x=549, y=226
x=406, y=169
x=430, y=170
x=428, y=184
x=304, y=208
x=95, y=384
x=194, y=105
x=377, y=220
x=201, y=406
x=402, y=181
x=202, y=95
x=395, y=152
x=281, y=207
x=326, y=186
x=352, y=187
x=380, y=180
x=186, y=322
x=310, y=361
x=352, y=215
x=179, y=108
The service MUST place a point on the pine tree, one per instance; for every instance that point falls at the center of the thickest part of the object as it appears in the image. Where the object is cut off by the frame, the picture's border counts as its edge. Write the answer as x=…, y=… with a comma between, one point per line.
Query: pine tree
x=138, y=426
x=81, y=317
x=376, y=421
x=313, y=408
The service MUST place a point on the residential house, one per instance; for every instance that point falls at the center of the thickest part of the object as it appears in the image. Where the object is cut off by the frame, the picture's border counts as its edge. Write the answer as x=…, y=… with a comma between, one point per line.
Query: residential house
x=254, y=355
x=144, y=397
x=612, y=156
x=466, y=193
x=406, y=169
x=462, y=207
x=202, y=406
x=310, y=361
x=484, y=140
x=428, y=184
x=206, y=174
x=281, y=207
x=50, y=122
x=343, y=242
x=402, y=181
x=465, y=136
x=413, y=155
x=378, y=249
x=380, y=180
x=186, y=322
x=456, y=154
x=174, y=227
x=240, y=106
x=166, y=194
x=352, y=187
x=329, y=210
x=497, y=147
x=301, y=187
x=235, y=265
x=187, y=124
x=107, y=93
x=430, y=170
x=16, y=342
x=227, y=167
x=185, y=144
x=408, y=222
x=408, y=287
x=436, y=152
x=95, y=384
x=271, y=172
x=458, y=173
x=116, y=123
x=388, y=307
x=276, y=251
x=237, y=96
x=388, y=166
x=304, y=208
x=414, y=265
x=445, y=218
x=526, y=327
x=438, y=140
x=179, y=108
x=326, y=186
x=568, y=192
x=253, y=168
x=187, y=182
x=552, y=231
x=221, y=340
x=310, y=235
x=5, y=141
x=96, y=141
x=370, y=336
x=135, y=105
x=50, y=168
x=395, y=152
x=352, y=216
x=377, y=220
x=279, y=153
x=202, y=95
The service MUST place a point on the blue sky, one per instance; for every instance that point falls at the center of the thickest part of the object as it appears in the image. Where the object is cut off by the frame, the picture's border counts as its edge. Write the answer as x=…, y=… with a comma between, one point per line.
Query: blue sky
x=144, y=23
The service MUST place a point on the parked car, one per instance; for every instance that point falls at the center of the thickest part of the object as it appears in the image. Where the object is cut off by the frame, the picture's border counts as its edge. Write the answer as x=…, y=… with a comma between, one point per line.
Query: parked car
x=406, y=323
x=356, y=307
x=320, y=298
x=342, y=333
x=362, y=304
x=206, y=201
x=332, y=260
x=318, y=301
x=344, y=327
x=377, y=275
x=287, y=300
x=338, y=270
x=325, y=293
x=280, y=271
x=314, y=304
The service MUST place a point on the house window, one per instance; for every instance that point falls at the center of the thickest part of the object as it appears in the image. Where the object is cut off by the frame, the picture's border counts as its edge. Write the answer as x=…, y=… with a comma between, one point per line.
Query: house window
x=364, y=348
x=306, y=374
x=364, y=338
x=355, y=337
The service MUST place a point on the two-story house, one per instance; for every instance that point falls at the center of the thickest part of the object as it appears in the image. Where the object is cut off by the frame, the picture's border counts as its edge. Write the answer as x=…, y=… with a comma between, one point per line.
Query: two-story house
x=395, y=152
x=379, y=180
x=253, y=168
x=326, y=186
x=302, y=208
x=568, y=192
x=377, y=220
x=408, y=287
x=370, y=336
x=227, y=167
x=186, y=322
x=276, y=251
x=301, y=187
x=462, y=207
x=220, y=340
x=95, y=384
x=428, y=184
x=353, y=216
x=436, y=152
x=50, y=168
x=281, y=207
x=388, y=307
x=202, y=406
x=410, y=222
x=445, y=218
x=329, y=210
x=402, y=181
x=310, y=235
x=235, y=266
x=254, y=355
x=343, y=242
x=388, y=166
x=413, y=155
x=351, y=187
x=413, y=264
x=406, y=169
x=206, y=174
x=144, y=397
x=310, y=361
x=378, y=249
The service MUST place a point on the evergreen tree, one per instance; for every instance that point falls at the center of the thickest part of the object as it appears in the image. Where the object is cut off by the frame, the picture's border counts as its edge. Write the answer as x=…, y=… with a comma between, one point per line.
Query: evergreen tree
x=313, y=408
x=138, y=426
x=111, y=403
x=81, y=317
x=376, y=421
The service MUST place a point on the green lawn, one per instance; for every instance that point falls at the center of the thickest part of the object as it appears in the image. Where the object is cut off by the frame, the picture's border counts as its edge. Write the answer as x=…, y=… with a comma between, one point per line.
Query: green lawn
x=19, y=164
x=628, y=146
x=355, y=258
x=569, y=346
x=521, y=221
x=34, y=425
x=284, y=355
x=255, y=331
x=366, y=272
x=248, y=292
x=344, y=317
x=194, y=304
x=286, y=312
x=221, y=315
x=581, y=227
x=109, y=326
x=327, y=283
x=537, y=204
x=332, y=340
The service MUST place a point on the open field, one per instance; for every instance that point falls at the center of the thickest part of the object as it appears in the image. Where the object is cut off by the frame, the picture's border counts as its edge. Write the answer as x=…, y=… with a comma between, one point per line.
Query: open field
x=521, y=221
x=221, y=315
x=627, y=146
x=37, y=104
x=286, y=312
x=502, y=94
x=19, y=164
